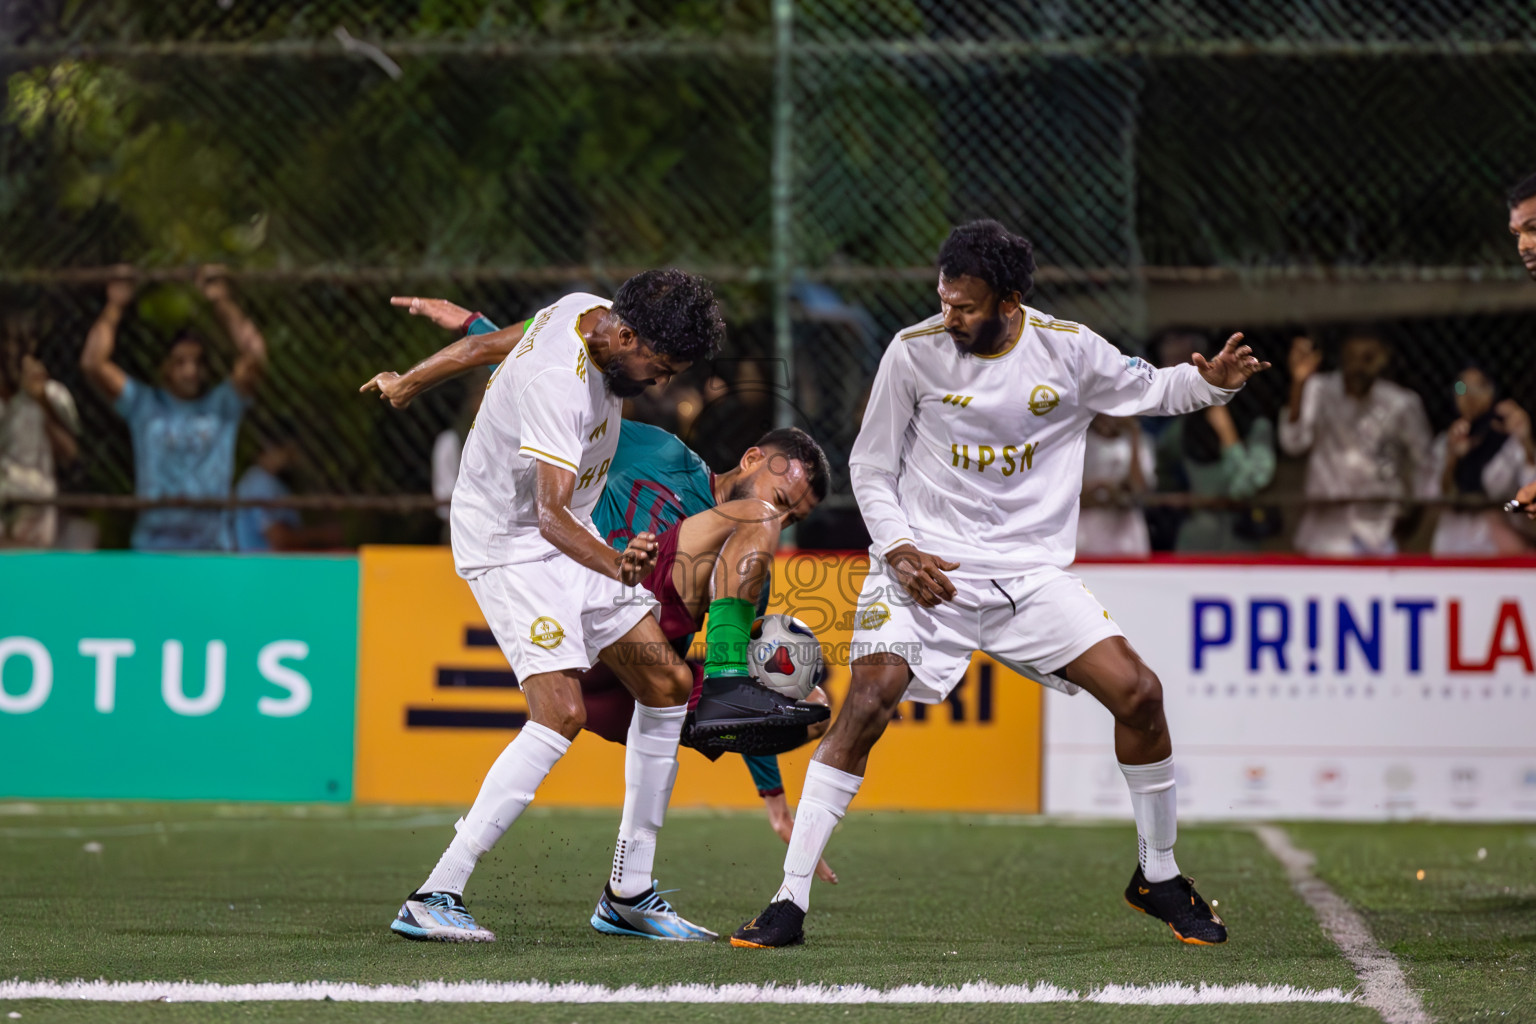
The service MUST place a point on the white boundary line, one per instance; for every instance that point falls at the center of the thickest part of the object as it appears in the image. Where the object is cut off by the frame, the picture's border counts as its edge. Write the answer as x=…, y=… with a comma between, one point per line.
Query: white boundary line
x=1384, y=987
x=1174, y=994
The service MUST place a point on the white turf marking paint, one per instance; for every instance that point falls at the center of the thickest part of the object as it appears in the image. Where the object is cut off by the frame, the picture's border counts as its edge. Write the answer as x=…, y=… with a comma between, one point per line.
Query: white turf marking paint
x=1384, y=988
x=1173, y=994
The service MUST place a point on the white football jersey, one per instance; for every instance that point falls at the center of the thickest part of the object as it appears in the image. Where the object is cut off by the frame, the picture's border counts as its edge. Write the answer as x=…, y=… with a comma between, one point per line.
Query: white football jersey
x=979, y=460
x=545, y=403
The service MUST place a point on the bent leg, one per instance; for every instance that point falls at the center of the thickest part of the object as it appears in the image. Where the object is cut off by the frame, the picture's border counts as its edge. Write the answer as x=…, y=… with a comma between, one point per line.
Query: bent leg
x=660, y=683
x=555, y=716
x=703, y=540
x=740, y=577
x=837, y=770
x=1113, y=673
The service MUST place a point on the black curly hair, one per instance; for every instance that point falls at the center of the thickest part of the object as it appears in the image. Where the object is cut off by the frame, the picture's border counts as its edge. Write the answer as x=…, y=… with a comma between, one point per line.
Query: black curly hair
x=674, y=312
x=794, y=443
x=1522, y=191
x=986, y=250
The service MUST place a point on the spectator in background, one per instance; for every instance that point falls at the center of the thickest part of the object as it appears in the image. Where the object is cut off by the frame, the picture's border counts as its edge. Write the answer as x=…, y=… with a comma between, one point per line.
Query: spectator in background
x=1487, y=453
x=448, y=446
x=38, y=429
x=1364, y=437
x=1117, y=466
x=1173, y=346
x=735, y=413
x=1219, y=462
x=276, y=528
x=183, y=433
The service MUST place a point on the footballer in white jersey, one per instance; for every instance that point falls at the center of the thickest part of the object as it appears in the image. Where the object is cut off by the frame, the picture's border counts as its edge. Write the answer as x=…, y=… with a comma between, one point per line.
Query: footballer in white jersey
x=556, y=596
x=968, y=470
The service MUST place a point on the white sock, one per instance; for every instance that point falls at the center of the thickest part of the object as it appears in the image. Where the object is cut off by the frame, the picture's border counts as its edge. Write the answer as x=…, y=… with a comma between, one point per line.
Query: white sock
x=1154, y=802
x=650, y=768
x=508, y=788
x=823, y=802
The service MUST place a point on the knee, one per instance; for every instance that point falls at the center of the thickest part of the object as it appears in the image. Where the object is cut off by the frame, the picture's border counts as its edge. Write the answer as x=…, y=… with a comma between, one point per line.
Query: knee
x=871, y=701
x=564, y=716
x=1139, y=698
x=756, y=530
x=676, y=684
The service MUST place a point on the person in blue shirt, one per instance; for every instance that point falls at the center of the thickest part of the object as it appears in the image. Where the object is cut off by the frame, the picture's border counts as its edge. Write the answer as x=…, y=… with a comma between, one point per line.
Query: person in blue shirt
x=656, y=484
x=261, y=528
x=183, y=432
x=277, y=527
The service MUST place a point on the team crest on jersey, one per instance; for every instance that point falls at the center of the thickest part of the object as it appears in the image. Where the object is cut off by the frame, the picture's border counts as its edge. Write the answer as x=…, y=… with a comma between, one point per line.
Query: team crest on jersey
x=874, y=616
x=1043, y=399
x=546, y=632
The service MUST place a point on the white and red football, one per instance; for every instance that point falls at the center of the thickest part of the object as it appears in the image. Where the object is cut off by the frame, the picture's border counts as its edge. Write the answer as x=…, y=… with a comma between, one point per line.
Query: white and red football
x=785, y=656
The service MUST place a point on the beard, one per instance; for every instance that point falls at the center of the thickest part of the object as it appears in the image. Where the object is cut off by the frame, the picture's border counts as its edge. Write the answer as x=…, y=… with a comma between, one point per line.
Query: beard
x=619, y=385
x=985, y=337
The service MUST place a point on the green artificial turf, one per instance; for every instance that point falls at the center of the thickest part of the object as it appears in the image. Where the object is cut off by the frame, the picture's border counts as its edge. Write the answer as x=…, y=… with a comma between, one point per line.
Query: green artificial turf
x=248, y=893
x=1466, y=934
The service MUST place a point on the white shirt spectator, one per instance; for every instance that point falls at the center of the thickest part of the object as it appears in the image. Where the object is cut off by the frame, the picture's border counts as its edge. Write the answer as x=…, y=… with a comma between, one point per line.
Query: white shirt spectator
x=1377, y=446
x=446, y=451
x=27, y=467
x=1482, y=533
x=1107, y=463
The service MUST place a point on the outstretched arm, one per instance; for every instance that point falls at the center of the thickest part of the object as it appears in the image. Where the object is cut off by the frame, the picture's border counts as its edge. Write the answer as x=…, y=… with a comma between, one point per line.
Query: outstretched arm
x=1119, y=385
x=250, y=346
x=483, y=346
x=96, y=359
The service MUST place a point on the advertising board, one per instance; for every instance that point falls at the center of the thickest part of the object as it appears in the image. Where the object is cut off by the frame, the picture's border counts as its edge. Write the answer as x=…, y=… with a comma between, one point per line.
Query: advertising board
x=131, y=675
x=1320, y=691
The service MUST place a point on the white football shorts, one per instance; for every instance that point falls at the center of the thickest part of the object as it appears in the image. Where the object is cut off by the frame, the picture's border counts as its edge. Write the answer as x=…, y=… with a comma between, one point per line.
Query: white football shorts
x=1034, y=624
x=554, y=614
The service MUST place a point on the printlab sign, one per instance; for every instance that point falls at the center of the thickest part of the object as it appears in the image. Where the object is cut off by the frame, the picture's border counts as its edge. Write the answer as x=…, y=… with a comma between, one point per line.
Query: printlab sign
x=1358, y=692
x=215, y=677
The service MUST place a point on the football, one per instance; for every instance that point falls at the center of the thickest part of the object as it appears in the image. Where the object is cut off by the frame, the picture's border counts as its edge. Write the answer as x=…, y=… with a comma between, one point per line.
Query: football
x=785, y=656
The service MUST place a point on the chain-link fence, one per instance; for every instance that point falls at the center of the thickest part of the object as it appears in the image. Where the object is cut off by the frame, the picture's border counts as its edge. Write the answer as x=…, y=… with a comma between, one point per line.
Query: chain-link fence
x=1213, y=163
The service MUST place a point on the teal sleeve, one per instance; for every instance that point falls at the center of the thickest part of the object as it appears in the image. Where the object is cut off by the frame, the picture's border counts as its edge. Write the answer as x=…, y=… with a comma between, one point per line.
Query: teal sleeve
x=482, y=325
x=765, y=773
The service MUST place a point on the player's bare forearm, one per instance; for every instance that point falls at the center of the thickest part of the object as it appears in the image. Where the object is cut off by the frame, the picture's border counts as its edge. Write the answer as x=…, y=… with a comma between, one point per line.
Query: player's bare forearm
x=449, y=362
x=559, y=526
x=463, y=355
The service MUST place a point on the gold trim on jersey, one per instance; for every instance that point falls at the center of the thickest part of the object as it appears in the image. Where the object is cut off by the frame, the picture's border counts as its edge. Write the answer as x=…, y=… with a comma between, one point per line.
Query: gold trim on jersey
x=547, y=455
x=923, y=332
x=1065, y=326
x=576, y=329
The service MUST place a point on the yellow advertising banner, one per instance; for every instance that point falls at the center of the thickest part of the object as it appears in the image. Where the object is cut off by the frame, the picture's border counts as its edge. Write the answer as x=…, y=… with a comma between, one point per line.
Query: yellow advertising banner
x=436, y=702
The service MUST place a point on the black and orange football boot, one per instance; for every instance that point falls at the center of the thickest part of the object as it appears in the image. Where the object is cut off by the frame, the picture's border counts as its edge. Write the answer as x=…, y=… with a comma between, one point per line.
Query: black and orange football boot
x=1176, y=904
x=782, y=924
